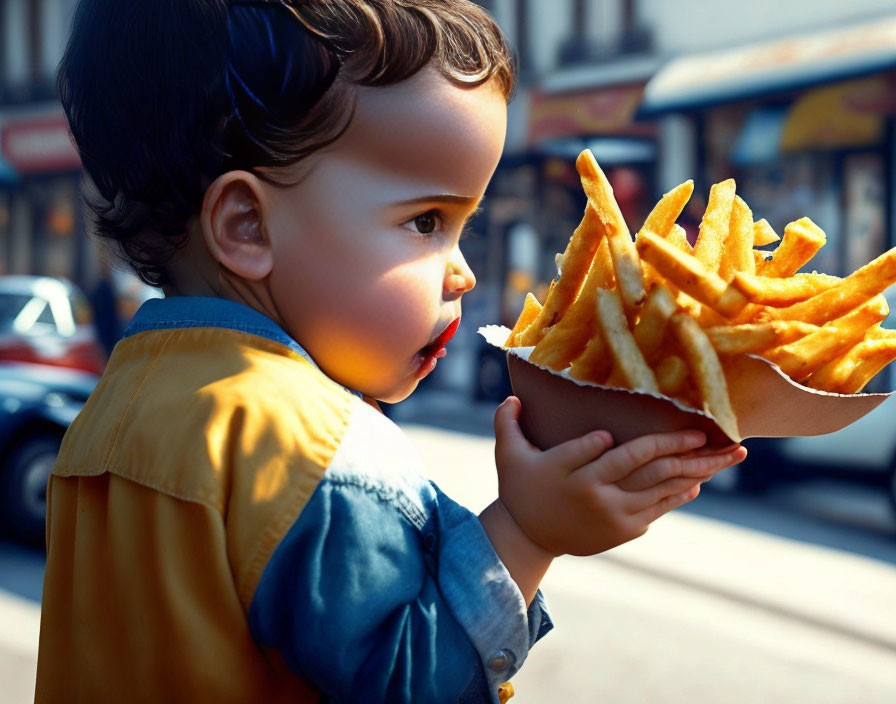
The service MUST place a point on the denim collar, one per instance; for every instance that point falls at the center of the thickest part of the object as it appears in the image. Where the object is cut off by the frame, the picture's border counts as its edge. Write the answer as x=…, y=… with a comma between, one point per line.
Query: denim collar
x=208, y=312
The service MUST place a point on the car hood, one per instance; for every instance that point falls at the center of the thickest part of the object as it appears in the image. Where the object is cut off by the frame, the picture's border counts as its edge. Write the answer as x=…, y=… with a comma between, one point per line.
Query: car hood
x=33, y=381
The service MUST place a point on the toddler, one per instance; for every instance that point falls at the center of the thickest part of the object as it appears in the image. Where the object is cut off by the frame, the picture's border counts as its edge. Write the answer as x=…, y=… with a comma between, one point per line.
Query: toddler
x=231, y=518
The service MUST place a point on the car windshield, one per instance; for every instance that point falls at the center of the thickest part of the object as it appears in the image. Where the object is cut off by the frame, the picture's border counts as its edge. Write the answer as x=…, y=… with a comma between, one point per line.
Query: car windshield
x=11, y=304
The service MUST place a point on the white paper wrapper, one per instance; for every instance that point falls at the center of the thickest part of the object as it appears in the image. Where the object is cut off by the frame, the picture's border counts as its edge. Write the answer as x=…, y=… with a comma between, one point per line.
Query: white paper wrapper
x=766, y=402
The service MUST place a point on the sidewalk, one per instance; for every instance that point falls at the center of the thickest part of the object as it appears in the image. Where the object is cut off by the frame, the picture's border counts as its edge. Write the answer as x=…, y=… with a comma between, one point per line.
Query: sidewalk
x=19, y=632
x=779, y=575
x=697, y=610
x=752, y=567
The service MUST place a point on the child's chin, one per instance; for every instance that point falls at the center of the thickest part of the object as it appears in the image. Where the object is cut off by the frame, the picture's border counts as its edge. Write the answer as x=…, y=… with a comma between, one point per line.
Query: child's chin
x=398, y=396
x=397, y=393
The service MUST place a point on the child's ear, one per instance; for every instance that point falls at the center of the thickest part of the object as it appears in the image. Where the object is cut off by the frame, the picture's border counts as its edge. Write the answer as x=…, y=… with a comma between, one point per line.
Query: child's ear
x=232, y=220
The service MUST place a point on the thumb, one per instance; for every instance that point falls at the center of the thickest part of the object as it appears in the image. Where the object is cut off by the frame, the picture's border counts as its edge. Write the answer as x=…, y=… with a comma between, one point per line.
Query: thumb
x=507, y=427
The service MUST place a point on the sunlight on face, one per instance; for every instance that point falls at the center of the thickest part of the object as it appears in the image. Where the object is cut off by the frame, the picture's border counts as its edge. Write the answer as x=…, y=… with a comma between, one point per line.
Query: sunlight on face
x=368, y=275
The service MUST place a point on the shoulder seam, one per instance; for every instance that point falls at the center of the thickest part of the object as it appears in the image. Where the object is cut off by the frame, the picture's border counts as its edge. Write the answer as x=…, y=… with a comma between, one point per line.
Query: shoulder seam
x=387, y=495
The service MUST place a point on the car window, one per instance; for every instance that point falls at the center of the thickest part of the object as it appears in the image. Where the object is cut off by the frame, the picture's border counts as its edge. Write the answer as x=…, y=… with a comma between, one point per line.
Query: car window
x=11, y=305
x=46, y=316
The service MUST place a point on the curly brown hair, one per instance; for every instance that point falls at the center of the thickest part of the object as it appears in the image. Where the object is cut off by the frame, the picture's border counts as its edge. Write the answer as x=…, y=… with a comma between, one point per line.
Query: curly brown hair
x=163, y=96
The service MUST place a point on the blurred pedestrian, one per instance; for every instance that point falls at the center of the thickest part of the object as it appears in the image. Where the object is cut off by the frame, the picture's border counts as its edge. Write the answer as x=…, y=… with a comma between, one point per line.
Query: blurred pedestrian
x=104, y=302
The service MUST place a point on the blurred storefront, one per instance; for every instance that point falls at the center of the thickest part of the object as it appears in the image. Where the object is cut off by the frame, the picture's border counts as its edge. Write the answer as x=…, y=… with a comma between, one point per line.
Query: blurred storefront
x=537, y=199
x=804, y=125
x=41, y=230
x=42, y=225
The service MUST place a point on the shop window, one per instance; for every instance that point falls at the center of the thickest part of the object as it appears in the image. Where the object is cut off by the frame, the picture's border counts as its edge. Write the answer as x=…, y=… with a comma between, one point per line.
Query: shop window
x=5, y=233
x=864, y=208
x=801, y=186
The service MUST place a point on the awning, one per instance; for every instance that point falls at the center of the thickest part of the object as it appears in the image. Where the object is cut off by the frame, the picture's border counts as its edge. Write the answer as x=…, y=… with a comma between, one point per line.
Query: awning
x=701, y=80
x=822, y=118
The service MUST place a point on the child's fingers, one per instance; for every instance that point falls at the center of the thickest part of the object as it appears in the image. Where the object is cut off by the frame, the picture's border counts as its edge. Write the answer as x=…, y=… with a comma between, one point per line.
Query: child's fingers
x=578, y=452
x=705, y=451
x=639, y=501
x=628, y=457
x=507, y=427
x=697, y=464
x=648, y=515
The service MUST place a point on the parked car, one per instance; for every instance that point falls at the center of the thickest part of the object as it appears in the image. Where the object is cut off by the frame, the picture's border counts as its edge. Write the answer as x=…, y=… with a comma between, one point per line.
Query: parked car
x=46, y=320
x=37, y=404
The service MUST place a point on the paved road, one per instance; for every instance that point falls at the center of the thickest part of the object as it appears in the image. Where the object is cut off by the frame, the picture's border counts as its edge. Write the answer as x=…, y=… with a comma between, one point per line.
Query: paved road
x=700, y=610
x=704, y=611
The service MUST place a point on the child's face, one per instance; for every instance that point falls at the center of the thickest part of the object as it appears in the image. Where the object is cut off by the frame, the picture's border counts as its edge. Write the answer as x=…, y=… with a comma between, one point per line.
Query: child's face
x=368, y=275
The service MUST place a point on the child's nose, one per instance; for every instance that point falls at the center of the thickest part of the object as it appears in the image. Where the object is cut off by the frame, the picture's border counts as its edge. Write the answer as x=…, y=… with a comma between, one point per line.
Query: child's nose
x=459, y=278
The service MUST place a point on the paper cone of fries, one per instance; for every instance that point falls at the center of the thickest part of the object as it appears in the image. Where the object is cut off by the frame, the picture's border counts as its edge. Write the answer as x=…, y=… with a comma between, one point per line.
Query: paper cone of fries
x=650, y=334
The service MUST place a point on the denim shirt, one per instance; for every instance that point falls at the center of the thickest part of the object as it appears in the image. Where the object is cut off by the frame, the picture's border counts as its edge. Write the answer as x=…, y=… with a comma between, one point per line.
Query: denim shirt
x=383, y=589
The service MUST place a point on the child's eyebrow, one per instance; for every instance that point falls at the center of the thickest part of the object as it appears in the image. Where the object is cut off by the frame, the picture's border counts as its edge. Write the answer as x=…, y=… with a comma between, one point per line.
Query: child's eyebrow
x=442, y=198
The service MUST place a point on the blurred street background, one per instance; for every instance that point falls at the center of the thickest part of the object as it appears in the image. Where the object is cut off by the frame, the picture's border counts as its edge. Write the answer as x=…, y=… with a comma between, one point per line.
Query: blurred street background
x=779, y=583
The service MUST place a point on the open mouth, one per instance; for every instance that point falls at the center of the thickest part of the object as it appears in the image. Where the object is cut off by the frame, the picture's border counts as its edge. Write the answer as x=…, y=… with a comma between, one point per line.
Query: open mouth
x=435, y=350
x=439, y=343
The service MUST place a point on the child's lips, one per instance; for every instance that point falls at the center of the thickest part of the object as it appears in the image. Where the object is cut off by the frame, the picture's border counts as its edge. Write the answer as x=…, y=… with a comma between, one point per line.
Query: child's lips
x=438, y=345
x=435, y=350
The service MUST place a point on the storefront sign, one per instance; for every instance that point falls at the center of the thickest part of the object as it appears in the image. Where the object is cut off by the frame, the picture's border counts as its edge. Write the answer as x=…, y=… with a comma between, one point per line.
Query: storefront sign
x=40, y=144
x=600, y=111
x=823, y=119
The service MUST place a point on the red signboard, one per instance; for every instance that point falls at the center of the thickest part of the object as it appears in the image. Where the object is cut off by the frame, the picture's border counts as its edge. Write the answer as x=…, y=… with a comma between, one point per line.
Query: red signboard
x=599, y=111
x=38, y=144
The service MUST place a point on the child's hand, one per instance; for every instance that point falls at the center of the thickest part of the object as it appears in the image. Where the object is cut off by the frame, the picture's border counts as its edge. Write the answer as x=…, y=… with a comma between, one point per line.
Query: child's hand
x=582, y=498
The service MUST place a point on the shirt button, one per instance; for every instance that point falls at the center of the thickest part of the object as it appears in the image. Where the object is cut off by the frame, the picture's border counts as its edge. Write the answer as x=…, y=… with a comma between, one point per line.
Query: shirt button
x=500, y=661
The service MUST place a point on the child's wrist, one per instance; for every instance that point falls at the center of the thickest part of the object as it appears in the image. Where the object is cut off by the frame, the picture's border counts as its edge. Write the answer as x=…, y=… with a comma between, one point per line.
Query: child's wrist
x=538, y=552
x=526, y=561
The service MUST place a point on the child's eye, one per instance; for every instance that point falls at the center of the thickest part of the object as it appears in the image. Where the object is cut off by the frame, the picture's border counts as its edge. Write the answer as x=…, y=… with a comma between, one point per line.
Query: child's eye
x=425, y=223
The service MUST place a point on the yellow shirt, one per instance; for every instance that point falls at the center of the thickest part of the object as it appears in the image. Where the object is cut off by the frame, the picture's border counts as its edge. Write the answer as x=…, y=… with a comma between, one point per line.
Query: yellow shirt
x=170, y=493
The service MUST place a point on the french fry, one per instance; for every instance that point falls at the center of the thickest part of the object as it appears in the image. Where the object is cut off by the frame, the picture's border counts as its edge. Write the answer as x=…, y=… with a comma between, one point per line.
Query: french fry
x=714, y=226
x=851, y=291
x=850, y=373
x=759, y=256
x=627, y=358
x=778, y=292
x=689, y=275
x=703, y=314
x=708, y=305
x=679, y=238
x=763, y=233
x=604, y=263
x=662, y=218
x=756, y=337
x=737, y=254
x=531, y=306
x=671, y=375
x=576, y=263
x=626, y=264
x=594, y=364
x=566, y=339
x=801, y=358
x=802, y=240
x=706, y=370
x=650, y=329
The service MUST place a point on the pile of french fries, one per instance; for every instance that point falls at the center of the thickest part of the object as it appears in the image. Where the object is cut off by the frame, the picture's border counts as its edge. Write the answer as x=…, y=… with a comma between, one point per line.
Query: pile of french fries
x=655, y=314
